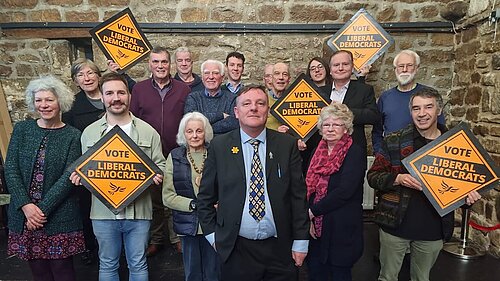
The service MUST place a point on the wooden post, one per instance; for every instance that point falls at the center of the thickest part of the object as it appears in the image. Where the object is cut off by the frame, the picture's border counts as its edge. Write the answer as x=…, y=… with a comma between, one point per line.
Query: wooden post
x=5, y=124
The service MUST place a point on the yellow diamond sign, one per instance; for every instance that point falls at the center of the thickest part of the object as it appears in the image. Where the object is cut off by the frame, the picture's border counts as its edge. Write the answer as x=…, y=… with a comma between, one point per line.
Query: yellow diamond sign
x=121, y=39
x=116, y=170
x=452, y=166
x=299, y=107
x=363, y=37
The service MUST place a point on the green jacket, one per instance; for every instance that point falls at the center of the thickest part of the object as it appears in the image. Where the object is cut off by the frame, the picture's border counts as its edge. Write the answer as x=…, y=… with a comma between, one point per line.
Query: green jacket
x=58, y=202
x=148, y=140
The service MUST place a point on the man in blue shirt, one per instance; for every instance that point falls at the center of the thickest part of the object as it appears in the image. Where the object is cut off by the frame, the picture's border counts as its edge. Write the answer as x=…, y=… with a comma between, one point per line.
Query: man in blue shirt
x=235, y=64
x=391, y=104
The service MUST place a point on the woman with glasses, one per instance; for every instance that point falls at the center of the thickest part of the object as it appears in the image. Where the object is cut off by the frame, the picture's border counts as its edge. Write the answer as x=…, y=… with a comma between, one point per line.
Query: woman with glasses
x=335, y=193
x=319, y=72
x=44, y=219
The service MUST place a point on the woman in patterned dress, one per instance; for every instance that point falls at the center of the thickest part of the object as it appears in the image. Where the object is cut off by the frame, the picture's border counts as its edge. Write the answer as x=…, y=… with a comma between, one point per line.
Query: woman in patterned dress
x=45, y=228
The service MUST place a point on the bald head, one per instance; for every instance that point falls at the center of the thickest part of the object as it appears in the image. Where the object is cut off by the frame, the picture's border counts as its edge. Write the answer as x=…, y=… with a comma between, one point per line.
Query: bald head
x=281, y=78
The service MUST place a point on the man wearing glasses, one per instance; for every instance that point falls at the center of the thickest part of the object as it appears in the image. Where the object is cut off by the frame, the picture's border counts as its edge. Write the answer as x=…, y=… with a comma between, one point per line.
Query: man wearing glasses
x=280, y=80
x=159, y=101
x=394, y=116
x=215, y=103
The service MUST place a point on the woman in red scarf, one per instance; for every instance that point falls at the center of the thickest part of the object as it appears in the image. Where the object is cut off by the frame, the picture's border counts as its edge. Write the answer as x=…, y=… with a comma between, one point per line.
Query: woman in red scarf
x=335, y=192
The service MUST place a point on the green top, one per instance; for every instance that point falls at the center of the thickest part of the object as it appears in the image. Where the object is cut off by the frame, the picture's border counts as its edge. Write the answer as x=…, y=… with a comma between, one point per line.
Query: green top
x=272, y=122
x=58, y=203
x=170, y=197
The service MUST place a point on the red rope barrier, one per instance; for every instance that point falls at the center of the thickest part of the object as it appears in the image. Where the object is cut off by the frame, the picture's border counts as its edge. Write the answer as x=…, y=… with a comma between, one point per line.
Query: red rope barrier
x=482, y=227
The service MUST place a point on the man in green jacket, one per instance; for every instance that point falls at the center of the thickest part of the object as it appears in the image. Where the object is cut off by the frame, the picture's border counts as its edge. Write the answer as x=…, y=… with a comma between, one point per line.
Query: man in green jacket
x=131, y=226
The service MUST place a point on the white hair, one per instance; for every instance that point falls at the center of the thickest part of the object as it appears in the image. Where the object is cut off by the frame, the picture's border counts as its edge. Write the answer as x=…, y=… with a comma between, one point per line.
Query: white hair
x=409, y=53
x=218, y=63
x=194, y=116
x=63, y=93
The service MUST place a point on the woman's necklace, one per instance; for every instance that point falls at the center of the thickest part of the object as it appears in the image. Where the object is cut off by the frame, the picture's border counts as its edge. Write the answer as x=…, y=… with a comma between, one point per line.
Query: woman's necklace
x=199, y=171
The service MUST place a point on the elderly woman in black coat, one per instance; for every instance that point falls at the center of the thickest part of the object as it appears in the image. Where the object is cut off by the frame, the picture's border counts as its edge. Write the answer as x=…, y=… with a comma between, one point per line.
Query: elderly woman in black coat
x=335, y=192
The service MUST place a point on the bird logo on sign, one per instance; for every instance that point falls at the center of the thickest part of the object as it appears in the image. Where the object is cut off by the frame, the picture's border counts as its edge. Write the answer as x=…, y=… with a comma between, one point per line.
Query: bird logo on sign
x=303, y=123
x=447, y=188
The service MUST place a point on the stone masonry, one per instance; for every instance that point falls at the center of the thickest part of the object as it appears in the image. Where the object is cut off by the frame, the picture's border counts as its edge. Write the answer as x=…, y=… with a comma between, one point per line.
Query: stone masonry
x=464, y=65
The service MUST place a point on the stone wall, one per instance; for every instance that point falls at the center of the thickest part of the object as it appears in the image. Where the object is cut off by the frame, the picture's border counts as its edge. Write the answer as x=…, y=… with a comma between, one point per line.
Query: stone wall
x=475, y=97
x=465, y=66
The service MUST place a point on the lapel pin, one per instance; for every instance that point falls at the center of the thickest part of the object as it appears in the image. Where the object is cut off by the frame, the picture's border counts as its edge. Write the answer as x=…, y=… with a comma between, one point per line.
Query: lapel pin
x=270, y=155
x=235, y=149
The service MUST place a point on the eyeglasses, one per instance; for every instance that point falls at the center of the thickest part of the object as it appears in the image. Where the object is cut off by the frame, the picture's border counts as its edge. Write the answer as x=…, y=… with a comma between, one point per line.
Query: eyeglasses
x=90, y=74
x=332, y=125
x=317, y=67
x=408, y=66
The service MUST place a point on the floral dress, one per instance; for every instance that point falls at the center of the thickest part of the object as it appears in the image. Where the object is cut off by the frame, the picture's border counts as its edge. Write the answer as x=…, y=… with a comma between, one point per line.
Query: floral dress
x=36, y=244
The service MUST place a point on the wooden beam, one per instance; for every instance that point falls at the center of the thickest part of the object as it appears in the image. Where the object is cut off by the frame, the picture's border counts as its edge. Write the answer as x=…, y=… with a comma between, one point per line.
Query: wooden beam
x=5, y=124
x=48, y=33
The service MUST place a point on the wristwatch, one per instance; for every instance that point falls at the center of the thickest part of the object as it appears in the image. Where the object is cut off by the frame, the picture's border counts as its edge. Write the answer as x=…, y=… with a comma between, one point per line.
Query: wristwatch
x=192, y=205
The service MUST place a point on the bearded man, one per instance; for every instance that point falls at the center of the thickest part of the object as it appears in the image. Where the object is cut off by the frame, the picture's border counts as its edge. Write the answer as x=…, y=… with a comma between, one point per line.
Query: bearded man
x=394, y=115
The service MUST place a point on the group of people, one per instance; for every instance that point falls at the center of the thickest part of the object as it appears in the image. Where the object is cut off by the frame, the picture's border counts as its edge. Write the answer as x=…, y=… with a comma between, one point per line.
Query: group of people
x=245, y=200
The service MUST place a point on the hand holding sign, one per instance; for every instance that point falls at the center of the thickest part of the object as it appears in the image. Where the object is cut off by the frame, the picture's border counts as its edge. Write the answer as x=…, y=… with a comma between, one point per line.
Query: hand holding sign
x=472, y=197
x=75, y=179
x=121, y=40
x=452, y=168
x=408, y=181
x=116, y=170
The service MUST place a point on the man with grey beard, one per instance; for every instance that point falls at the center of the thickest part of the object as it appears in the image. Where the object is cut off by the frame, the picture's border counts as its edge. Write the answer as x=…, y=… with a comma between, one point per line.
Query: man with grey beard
x=395, y=115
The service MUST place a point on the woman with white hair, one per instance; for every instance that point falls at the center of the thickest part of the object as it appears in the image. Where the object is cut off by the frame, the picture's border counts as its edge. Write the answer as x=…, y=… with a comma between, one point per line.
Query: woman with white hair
x=183, y=176
x=335, y=193
x=44, y=223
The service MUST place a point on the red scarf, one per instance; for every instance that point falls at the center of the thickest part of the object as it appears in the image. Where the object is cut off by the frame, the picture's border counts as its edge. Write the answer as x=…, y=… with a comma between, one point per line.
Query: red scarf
x=323, y=164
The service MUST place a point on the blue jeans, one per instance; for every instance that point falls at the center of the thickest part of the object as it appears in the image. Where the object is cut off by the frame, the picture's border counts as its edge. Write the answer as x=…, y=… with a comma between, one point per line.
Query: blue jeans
x=201, y=262
x=111, y=234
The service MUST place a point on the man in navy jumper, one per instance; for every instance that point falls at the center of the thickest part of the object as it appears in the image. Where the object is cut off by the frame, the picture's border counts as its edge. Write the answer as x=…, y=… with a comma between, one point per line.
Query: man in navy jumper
x=159, y=101
x=184, y=65
x=215, y=103
x=395, y=115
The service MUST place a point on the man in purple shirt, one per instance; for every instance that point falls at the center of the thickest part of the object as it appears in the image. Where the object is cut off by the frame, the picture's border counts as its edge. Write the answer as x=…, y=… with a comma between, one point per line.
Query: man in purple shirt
x=159, y=101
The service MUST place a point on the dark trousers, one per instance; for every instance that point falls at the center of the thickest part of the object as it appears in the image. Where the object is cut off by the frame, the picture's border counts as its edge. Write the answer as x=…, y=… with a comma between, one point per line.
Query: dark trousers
x=85, y=200
x=201, y=262
x=319, y=271
x=53, y=270
x=162, y=219
x=260, y=260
